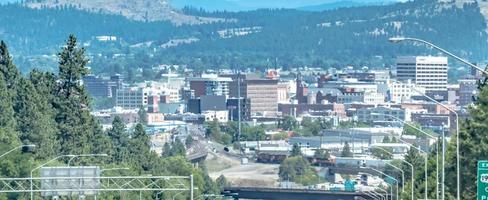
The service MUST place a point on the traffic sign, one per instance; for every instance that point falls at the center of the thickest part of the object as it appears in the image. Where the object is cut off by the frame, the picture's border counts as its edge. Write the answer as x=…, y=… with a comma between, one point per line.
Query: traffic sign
x=483, y=180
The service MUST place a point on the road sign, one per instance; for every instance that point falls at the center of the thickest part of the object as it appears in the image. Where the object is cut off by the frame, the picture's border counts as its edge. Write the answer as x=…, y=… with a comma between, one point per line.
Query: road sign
x=86, y=179
x=483, y=180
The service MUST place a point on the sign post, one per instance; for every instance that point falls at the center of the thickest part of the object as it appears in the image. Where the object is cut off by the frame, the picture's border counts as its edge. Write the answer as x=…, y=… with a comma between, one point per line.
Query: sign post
x=483, y=180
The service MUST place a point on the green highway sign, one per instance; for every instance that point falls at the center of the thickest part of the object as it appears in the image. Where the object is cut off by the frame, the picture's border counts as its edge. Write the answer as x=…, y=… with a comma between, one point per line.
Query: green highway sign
x=483, y=180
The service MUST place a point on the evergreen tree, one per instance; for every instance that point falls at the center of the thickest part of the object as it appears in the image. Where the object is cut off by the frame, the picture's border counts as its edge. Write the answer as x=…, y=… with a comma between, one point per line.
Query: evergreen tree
x=166, y=150
x=34, y=123
x=74, y=121
x=222, y=182
x=10, y=73
x=178, y=149
x=120, y=140
x=8, y=136
x=188, y=141
x=142, y=115
x=346, y=151
x=296, y=150
x=140, y=147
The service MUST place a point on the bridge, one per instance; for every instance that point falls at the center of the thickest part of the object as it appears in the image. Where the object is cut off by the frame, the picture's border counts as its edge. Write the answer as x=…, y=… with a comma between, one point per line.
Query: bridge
x=197, y=157
x=350, y=170
x=293, y=194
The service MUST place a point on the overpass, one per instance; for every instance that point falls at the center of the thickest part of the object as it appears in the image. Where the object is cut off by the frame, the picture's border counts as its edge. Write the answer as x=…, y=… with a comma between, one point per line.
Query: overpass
x=292, y=194
x=350, y=170
x=197, y=157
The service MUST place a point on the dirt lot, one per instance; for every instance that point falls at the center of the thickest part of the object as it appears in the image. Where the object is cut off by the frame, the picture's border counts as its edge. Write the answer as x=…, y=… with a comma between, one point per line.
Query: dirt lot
x=251, y=174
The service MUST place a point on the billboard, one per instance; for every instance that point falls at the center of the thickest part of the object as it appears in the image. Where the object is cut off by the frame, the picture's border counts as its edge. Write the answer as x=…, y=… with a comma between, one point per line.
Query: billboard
x=68, y=181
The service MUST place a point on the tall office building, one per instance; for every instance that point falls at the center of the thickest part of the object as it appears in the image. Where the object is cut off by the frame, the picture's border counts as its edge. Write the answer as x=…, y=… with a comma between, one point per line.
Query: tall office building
x=102, y=87
x=210, y=86
x=262, y=94
x=425, y=71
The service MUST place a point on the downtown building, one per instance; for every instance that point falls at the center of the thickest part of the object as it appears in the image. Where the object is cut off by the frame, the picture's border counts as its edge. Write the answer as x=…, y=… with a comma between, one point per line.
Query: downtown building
x=209, y=85
x=425, y=71
x=262, y=94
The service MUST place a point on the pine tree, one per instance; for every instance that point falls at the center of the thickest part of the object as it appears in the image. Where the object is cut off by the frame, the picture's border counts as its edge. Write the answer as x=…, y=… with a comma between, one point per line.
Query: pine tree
x=296, y=150
x=166, y=150
x=222, y=182
x=35, y=125
x=74, y=121
x=178, y=149
x=10, y=73
x=142, y=115
x=346, y=151
x=7, y=120
x=140, y=147
x=120, y=140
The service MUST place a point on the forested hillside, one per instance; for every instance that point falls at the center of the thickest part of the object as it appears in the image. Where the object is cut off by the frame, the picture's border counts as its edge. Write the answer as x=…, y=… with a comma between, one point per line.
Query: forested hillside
x=52, y=112
x=347, y=36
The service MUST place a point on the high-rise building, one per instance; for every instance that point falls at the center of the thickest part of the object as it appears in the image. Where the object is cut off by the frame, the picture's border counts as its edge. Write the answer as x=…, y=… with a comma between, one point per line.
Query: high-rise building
x=102, y=87
x=208, y=85
x=262, y=94
x=425, y=71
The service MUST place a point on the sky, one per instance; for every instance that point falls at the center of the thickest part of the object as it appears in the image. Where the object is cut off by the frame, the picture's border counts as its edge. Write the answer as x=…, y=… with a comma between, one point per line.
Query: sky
x=7, y=1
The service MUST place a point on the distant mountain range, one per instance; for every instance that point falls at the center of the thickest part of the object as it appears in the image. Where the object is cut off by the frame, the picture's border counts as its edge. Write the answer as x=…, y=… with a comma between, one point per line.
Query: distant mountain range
x=345, y=4
x=246, y=5
x=140, y=10
x=248, y=39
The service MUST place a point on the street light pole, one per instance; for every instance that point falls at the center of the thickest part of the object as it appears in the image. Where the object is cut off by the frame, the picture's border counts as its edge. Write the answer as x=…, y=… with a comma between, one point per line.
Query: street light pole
x=456, y=115
x=86, y=155
x=425, y=161
x=16, y=148
x=412, y=178
x=384, y=174
x=458, y=178
x=403, y=174
x=427, y=134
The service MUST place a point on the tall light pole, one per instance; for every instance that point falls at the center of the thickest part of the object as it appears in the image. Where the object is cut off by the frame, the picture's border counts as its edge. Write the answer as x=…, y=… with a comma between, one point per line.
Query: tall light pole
x=86, y=155
x=16, y=148
x=427, y=134
x=391, y=177
x=444, y=141
x=239, y=110
x=403, y=174
x=412, y=178
x=401, y=39
x=425, y=161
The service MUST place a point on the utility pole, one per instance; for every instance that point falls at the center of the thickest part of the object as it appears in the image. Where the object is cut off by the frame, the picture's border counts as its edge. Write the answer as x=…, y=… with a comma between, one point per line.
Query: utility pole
x=239, y=108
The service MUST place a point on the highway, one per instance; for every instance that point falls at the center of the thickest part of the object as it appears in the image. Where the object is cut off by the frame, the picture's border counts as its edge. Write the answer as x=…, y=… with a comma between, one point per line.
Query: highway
x=291, y=194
